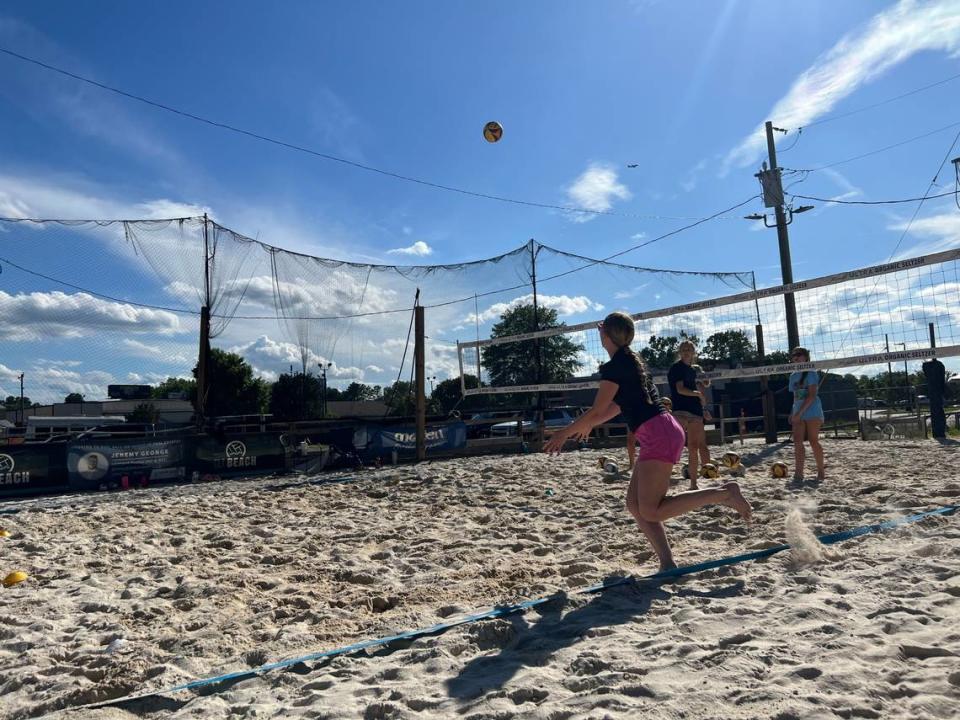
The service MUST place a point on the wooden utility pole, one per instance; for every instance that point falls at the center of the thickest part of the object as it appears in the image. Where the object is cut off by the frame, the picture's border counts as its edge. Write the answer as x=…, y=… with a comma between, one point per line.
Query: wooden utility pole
x=786, y=265
x=420, y=378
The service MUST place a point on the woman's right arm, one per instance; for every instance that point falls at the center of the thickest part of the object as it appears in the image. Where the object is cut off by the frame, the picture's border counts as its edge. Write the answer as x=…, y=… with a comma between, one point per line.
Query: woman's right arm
x=683, y=390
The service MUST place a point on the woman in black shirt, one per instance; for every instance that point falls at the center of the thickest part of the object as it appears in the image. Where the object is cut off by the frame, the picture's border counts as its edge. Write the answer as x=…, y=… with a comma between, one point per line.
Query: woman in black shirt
x=626, y=386
x=688, y=401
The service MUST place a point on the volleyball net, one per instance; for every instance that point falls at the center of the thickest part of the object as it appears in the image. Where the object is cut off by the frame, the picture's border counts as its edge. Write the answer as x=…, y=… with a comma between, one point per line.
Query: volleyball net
x=856, y=319
x=87, y=304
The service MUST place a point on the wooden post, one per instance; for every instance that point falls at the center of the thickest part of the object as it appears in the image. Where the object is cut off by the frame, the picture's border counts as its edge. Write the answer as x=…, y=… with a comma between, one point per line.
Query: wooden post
x=769, y=406
x=203, y=358
x=419, y=358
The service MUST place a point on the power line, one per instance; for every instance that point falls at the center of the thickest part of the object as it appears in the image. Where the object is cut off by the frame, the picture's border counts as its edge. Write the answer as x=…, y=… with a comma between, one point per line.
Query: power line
x=653, y=240
x=878, y=150
x=876, y=202
x=926, y=195
x=840, y=116
x=183, y=311
x=327, y=156
x=906, y=229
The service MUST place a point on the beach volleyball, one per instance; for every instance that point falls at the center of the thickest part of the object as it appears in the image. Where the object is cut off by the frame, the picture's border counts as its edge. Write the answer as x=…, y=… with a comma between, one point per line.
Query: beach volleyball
x=14, y=578
x=492, y=131
x=779, y=470
x=710, y=471
x=608, y=465
x=730, y=460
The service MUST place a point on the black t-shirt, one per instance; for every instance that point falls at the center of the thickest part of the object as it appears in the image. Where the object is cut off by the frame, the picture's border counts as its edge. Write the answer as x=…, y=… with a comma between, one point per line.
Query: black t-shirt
x=680, y=371
x=631, y=394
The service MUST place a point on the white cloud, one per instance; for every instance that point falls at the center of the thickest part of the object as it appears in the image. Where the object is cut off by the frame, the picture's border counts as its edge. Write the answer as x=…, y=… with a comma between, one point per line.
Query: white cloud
x=596, y=189
x=565, y=305
x=638, y=236
x=419, y=248
x=159, y=353
x=943, y=231
x=23, y=196
x=271, y=357
x=689, y=184
x=632, y=293
x=888, y=39
x=45, y=315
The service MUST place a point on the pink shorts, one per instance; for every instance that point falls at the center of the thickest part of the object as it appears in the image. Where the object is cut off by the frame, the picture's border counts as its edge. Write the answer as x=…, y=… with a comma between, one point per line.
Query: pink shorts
x=660, y=438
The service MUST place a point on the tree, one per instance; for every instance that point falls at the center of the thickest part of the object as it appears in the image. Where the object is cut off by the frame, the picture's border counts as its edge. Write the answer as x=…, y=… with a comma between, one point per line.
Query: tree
x=231, y=387
x=515, y=363
x=175, y=385
x=296, y=397
x=399, y=397
x=73, y=398
x=661, y=350
x=358, y=391
x=446, y=395
x=13, y=402
x=729, y=346
x=144, y=413
x=777, y=357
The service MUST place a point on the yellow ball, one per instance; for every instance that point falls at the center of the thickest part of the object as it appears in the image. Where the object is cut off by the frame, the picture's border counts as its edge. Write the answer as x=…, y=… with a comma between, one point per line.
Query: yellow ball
x=779, y=470
x=4, y=533
x=17, y=576
x=710, y=471
x=731, y=459
x=492, y=131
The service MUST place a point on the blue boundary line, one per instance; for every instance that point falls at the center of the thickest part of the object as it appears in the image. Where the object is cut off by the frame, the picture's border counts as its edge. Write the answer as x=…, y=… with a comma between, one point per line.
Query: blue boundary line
x=502, y=610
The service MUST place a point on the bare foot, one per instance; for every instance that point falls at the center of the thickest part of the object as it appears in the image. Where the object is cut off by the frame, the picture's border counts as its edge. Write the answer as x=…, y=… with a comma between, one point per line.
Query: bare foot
x=693, y=485
x=664, y=566
x=821, y=475
x=737, y=501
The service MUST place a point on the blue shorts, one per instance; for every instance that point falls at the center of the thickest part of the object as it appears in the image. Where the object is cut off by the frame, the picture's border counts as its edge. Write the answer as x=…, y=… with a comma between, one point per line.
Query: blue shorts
x=814, y=412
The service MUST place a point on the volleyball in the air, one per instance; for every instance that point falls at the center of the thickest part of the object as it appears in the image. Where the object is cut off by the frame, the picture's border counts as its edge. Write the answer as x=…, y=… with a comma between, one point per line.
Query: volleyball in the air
x=492, y=131
x=779, y=470
x=710, y=471
x=730, y=459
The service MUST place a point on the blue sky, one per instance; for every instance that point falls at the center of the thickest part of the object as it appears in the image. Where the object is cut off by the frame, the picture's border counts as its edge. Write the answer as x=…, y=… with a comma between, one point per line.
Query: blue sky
x=582, y=90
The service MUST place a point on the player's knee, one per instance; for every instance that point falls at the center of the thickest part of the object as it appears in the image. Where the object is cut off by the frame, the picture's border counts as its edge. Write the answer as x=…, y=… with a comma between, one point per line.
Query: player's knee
x=648, y=512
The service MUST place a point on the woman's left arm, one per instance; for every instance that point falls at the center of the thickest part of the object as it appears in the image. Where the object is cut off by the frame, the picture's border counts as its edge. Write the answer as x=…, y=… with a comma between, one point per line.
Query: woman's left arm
x=602, y=410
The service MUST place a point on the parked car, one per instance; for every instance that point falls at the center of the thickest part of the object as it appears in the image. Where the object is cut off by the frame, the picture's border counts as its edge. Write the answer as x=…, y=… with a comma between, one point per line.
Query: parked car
x=553, y=419
x=489, y=419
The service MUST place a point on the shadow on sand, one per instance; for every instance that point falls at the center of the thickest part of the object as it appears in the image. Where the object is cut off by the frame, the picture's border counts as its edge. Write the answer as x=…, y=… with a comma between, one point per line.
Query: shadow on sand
x=534, y=643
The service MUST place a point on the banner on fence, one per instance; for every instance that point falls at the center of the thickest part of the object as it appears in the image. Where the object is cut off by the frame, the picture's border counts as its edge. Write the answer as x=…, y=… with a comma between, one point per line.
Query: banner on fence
x=28, y=470
x=377, y=440
x=90, y=465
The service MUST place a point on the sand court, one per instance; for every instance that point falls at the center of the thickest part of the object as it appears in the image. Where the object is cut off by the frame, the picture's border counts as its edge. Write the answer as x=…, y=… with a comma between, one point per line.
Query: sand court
x=149, y=589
